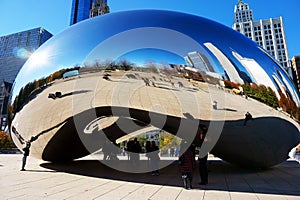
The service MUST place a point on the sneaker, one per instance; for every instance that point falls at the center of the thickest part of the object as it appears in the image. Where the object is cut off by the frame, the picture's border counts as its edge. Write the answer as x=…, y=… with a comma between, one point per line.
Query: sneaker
x=23, y=170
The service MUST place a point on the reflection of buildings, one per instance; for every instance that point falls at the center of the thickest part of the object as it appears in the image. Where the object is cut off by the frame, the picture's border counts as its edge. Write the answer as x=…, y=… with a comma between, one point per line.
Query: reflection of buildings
x=199, y=61
x=267, y=33
x=230, y=70
x=15, y=49
x=99, y=7
x=296, y=71
x=84, y=9
x=80, y=10
x=5, y=88
x=256, y=72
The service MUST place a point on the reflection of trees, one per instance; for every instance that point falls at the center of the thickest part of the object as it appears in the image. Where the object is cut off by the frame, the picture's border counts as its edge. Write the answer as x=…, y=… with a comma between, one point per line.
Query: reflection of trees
x=168, y=141
x=267, y=95
x=31, y=89
x=261, y=93
x=5, y=140
x=289, y=106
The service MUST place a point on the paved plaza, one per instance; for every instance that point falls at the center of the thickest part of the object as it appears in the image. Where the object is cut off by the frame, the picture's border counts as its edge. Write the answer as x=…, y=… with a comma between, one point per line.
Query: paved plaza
x=87, y=178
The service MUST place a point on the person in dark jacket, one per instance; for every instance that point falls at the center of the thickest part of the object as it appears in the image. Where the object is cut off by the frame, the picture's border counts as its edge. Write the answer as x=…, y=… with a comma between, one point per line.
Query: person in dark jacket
x=187, y=165
x=26, y=151
x=203, y=159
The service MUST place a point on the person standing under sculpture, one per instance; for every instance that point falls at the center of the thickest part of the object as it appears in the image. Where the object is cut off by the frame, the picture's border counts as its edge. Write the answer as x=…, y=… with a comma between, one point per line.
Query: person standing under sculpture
x=187, y=165
x=203, y=159
x=154, y=158
x=26, y=151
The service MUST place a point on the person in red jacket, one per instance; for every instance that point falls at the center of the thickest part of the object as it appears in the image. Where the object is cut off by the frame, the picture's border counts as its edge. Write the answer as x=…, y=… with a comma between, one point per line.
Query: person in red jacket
x=187, y=165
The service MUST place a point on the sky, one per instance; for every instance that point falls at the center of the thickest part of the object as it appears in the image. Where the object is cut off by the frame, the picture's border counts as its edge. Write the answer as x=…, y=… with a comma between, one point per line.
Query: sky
x=54, y=15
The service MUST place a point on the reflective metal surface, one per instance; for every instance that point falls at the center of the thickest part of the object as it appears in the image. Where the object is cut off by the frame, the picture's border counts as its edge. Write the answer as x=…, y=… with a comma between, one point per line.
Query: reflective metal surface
x=129, y=72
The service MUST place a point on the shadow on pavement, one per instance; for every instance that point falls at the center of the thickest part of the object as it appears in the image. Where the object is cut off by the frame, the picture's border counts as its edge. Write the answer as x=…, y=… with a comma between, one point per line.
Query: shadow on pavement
x=279, y=180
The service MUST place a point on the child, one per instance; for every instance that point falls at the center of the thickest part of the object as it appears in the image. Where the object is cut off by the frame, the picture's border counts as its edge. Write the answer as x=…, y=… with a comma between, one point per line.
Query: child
x=187, y=164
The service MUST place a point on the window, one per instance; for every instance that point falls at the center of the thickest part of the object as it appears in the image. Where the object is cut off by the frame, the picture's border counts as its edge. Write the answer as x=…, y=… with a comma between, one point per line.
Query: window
x=5, y=43
x=28, y=38
x=19, y=39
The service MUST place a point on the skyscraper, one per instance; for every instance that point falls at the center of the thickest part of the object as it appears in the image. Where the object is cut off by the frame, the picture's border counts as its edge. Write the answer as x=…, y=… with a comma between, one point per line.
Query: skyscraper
x=267, y=33
x=15, y=49
x=296, y=71
x=99, y=7
x=80, y=10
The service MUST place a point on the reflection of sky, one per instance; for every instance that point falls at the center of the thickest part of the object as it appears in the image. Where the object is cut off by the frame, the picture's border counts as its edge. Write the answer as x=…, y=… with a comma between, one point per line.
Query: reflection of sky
x=142, y=56
x=163, y=39
x=161, y=35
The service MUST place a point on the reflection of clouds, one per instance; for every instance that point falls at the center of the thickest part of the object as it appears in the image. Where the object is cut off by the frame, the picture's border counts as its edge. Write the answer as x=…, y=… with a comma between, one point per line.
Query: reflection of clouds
x=225, y=63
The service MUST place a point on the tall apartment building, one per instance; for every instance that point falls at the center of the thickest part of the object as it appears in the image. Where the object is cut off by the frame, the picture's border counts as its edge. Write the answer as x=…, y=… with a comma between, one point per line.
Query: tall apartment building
x=15, y=49
x=99, y=7
x=267, y=33
x=295, y=62
x=80, y=10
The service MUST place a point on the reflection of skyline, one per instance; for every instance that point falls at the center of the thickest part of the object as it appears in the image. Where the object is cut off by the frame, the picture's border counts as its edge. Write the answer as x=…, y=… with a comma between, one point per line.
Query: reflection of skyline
x=256, y=72
x=228, y=66
x=199, y=61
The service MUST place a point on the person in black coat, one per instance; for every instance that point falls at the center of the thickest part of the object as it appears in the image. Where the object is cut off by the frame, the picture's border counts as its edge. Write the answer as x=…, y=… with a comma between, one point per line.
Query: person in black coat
x=203, y=160
x=26, y=151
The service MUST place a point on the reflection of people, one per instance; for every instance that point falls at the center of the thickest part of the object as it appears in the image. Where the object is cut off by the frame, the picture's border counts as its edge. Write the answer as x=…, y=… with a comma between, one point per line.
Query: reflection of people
x=106, y=150
x=154, y=158
x=187, y=165
x=295, y=154
x=136, y=149
x=26, y=150
x=248, y=117
x=215, y=105
x=203, y=160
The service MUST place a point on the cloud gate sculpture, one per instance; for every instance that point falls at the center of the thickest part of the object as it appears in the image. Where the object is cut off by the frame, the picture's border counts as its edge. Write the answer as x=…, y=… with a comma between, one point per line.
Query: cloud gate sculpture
x=124, y=73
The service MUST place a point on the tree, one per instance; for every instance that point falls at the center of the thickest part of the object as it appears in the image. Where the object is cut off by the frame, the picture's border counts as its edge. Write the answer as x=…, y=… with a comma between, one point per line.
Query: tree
x=5, y=140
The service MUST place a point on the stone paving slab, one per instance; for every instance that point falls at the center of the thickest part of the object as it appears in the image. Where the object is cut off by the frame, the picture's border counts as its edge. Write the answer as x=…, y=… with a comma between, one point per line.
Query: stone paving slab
x=87, y=178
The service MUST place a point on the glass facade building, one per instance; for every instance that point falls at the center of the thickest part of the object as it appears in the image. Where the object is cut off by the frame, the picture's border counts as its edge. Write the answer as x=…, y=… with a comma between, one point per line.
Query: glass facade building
x=15, y=49
x=80, y=10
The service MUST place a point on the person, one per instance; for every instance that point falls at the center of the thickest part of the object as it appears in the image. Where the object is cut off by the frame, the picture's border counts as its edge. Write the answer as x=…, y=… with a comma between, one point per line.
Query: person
x=106, y=150
x=26, y=151
x=136, y=149
x=187, y=165
x=203, y=159
x=248, y=117
x=154, y=158
x=295, y=154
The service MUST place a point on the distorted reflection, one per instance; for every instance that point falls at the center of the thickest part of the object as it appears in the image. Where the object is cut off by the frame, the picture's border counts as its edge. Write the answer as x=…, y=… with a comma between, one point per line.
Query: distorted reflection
x=101, y=83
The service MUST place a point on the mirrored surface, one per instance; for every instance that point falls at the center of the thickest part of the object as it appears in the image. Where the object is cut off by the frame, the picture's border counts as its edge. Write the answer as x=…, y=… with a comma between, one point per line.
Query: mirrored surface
x=107, y=79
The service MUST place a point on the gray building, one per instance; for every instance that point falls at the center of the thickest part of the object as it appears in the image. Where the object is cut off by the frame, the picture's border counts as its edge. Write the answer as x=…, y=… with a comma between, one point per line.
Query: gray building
x=15, y=49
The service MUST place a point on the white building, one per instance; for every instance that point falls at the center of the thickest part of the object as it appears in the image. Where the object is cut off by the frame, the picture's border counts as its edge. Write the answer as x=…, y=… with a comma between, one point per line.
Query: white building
x=267, y=33
x=226, y=64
